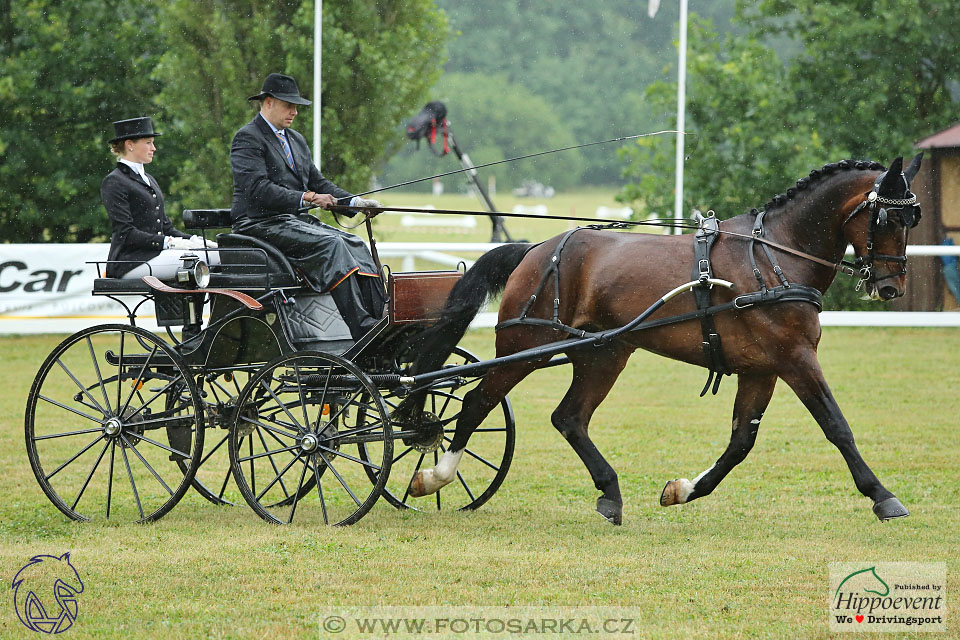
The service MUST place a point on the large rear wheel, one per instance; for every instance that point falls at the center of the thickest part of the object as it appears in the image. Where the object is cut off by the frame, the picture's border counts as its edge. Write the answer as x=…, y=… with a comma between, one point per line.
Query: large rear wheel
x=99, y=415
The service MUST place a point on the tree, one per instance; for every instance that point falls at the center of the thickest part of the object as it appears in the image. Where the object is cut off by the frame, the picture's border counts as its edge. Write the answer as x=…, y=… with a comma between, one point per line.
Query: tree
x=379, y=58
x=868, y=79
x=67, y=70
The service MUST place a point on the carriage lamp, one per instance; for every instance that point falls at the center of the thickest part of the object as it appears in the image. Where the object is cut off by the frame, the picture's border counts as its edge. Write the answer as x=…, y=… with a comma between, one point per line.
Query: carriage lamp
x=193, y=271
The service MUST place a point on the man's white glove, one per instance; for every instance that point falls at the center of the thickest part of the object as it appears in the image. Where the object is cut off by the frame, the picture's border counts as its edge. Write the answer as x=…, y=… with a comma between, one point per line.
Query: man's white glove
x=371, y=207
x=197, y=243
x=173, y=242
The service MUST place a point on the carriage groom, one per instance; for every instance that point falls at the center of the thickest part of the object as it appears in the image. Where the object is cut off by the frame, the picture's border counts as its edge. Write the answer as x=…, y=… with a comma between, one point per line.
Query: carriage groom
x=273, y=178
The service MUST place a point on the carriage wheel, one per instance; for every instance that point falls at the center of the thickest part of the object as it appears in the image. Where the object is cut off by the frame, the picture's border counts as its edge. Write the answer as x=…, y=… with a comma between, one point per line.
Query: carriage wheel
x=305, y=416
x=212, y=479
x=486, y=459
x=97, y=416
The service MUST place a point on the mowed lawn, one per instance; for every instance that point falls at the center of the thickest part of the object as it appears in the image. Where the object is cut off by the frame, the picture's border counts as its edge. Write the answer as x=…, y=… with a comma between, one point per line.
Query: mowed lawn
x=751, y=560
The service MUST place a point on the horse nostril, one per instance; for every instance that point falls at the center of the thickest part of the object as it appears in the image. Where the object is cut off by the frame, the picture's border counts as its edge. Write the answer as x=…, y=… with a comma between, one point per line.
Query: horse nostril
x=889, y=293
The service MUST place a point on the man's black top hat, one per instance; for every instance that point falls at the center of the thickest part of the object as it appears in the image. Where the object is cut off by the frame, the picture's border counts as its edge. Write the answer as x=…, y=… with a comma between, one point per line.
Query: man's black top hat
x=133, y=128
x=280, y=87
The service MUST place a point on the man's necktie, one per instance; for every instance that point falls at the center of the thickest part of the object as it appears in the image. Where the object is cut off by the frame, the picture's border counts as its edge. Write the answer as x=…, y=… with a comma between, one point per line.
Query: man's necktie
x=286, y=150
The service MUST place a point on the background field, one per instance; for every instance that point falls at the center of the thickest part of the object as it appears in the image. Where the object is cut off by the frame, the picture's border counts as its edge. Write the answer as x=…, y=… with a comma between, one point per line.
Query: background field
x=749, y=561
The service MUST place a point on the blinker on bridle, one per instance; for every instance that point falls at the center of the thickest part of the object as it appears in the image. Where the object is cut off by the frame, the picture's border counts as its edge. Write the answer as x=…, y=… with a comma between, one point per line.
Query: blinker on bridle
x=883, y=211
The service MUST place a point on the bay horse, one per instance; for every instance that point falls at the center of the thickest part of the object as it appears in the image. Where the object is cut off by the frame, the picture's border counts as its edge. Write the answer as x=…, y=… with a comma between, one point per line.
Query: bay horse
x=603, y=280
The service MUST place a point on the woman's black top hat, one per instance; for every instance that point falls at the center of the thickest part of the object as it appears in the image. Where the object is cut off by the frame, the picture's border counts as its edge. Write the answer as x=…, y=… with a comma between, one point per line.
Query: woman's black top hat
x=280, y=87
x=133, y=128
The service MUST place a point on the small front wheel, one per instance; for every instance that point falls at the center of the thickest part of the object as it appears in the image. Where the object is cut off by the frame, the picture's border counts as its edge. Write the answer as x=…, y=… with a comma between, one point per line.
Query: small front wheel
x=295, y=442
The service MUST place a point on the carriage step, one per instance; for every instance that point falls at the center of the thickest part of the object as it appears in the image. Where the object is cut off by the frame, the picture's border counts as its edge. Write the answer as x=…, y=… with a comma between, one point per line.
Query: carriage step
x=159, y=359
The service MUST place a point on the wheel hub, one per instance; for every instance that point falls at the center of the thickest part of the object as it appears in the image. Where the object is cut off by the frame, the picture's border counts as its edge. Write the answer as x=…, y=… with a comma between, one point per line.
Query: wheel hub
x=431, y=433
x=309, y=443
x=113, y=427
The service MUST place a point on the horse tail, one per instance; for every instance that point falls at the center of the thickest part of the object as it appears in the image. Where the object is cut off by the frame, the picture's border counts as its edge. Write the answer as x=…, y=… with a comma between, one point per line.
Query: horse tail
x=484, y=280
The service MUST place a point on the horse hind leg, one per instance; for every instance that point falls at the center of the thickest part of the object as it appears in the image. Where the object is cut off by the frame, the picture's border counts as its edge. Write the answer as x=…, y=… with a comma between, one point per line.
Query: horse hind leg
x=753, y=396
x=477, y=404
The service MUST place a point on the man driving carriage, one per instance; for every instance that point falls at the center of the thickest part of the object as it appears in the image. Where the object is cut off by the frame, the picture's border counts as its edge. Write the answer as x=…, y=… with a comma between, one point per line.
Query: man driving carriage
x=273, y=179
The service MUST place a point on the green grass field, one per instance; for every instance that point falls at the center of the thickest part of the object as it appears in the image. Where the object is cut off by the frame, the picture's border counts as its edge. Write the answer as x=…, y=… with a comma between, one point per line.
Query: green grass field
x=749, y=561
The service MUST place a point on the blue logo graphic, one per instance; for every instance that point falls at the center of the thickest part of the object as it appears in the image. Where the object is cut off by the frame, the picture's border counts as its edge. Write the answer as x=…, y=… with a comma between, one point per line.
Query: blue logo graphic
x=45, y=593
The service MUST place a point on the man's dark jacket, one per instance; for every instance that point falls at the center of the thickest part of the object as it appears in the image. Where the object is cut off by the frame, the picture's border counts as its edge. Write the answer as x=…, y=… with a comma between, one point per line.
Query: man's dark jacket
x=263, y=183
x=138, y=221
x=266, y=196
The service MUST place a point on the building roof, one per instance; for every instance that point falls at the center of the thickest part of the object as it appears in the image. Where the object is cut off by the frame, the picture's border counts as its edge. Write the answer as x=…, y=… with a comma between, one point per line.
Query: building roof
x=947, y=138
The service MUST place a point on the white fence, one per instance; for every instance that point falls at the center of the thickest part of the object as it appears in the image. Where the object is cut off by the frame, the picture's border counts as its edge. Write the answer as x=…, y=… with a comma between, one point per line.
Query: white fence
x=45, y=288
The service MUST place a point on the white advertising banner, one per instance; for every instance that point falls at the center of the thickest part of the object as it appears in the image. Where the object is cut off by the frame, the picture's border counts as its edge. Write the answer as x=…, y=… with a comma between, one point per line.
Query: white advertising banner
x=46, y=288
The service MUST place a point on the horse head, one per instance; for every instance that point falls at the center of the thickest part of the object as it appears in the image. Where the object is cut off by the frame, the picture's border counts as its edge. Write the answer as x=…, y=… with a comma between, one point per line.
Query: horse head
x=878, y=227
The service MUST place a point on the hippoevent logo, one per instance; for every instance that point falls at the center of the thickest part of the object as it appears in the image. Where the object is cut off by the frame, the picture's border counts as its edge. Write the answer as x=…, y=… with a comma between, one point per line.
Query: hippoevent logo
x=888, y=596
x=45, y=593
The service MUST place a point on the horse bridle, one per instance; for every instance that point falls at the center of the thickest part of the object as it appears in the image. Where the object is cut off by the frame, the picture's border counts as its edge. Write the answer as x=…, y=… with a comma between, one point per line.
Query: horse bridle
x=883, y=211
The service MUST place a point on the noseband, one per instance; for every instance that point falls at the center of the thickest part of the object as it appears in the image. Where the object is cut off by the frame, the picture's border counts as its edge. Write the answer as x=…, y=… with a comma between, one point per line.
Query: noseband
x=884, y=211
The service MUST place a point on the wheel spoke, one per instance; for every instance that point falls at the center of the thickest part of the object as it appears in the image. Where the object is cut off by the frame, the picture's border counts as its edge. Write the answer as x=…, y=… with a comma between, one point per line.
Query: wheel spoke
x=139, y=379
x=323, y=503
x=68, y=433
x=254, y=456
x=351, y=458
x=273, y=395
x=75, y=456
x=339, y=477
x=185, y=456
x=90, y=475
x=147, y=465
x=257, y=423
x=296, y=496
x=150, y=401
x=133, y=484
x=82, y=388
x=212, y=451
x=113, y=451
x=475, y=456
x=406, y=451
x=70, y=409
x=273, y=464
x=274, y=481
x=96, y=366
x=406, y=494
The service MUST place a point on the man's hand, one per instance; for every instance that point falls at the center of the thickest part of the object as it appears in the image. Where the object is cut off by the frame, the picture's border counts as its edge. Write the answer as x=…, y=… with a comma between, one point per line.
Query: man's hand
x=322, y=200
x=370, y=207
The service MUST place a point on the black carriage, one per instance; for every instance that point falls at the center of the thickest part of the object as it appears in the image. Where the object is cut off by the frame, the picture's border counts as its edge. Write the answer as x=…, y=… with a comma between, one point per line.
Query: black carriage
x=264, y=386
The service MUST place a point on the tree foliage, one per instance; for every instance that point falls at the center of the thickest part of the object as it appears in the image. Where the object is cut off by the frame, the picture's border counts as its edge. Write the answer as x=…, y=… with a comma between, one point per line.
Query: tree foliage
x=68, y=68
x=867, y=80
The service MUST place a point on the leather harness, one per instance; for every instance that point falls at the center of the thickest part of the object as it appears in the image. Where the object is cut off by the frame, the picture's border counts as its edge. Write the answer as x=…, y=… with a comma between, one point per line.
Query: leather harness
x=704, y=239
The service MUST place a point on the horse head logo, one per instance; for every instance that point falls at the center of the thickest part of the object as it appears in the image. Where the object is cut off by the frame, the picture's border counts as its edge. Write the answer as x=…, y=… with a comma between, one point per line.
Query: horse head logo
x=45, y=593
x=867, y=580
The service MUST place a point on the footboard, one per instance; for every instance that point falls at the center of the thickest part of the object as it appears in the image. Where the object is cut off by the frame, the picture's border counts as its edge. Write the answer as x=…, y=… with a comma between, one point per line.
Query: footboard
x=419, y=296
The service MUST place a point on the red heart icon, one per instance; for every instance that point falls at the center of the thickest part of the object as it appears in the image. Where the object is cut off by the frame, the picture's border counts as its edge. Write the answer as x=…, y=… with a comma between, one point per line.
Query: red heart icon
x=859, y=618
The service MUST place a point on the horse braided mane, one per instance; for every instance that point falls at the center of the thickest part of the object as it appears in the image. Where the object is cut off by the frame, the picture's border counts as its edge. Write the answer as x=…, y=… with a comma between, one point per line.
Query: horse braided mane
x=816, y=175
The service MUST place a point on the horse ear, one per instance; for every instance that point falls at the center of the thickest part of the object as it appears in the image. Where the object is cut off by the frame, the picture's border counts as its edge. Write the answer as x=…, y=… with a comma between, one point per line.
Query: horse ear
x=914, y=167
x=891, y=179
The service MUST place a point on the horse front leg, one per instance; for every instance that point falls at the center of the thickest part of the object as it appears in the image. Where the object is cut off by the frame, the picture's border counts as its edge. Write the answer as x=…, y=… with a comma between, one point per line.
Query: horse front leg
x=753, y=396
x=806, y=379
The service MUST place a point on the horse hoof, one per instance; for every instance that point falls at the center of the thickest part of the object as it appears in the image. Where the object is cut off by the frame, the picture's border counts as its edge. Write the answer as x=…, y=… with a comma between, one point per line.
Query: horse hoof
x=889, y=509
x=612, y=511
x=669, y=496
x=417, y=489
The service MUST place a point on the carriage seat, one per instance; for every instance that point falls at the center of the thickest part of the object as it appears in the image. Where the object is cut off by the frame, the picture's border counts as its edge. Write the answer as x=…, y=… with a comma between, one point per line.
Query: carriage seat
x=245, y=262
